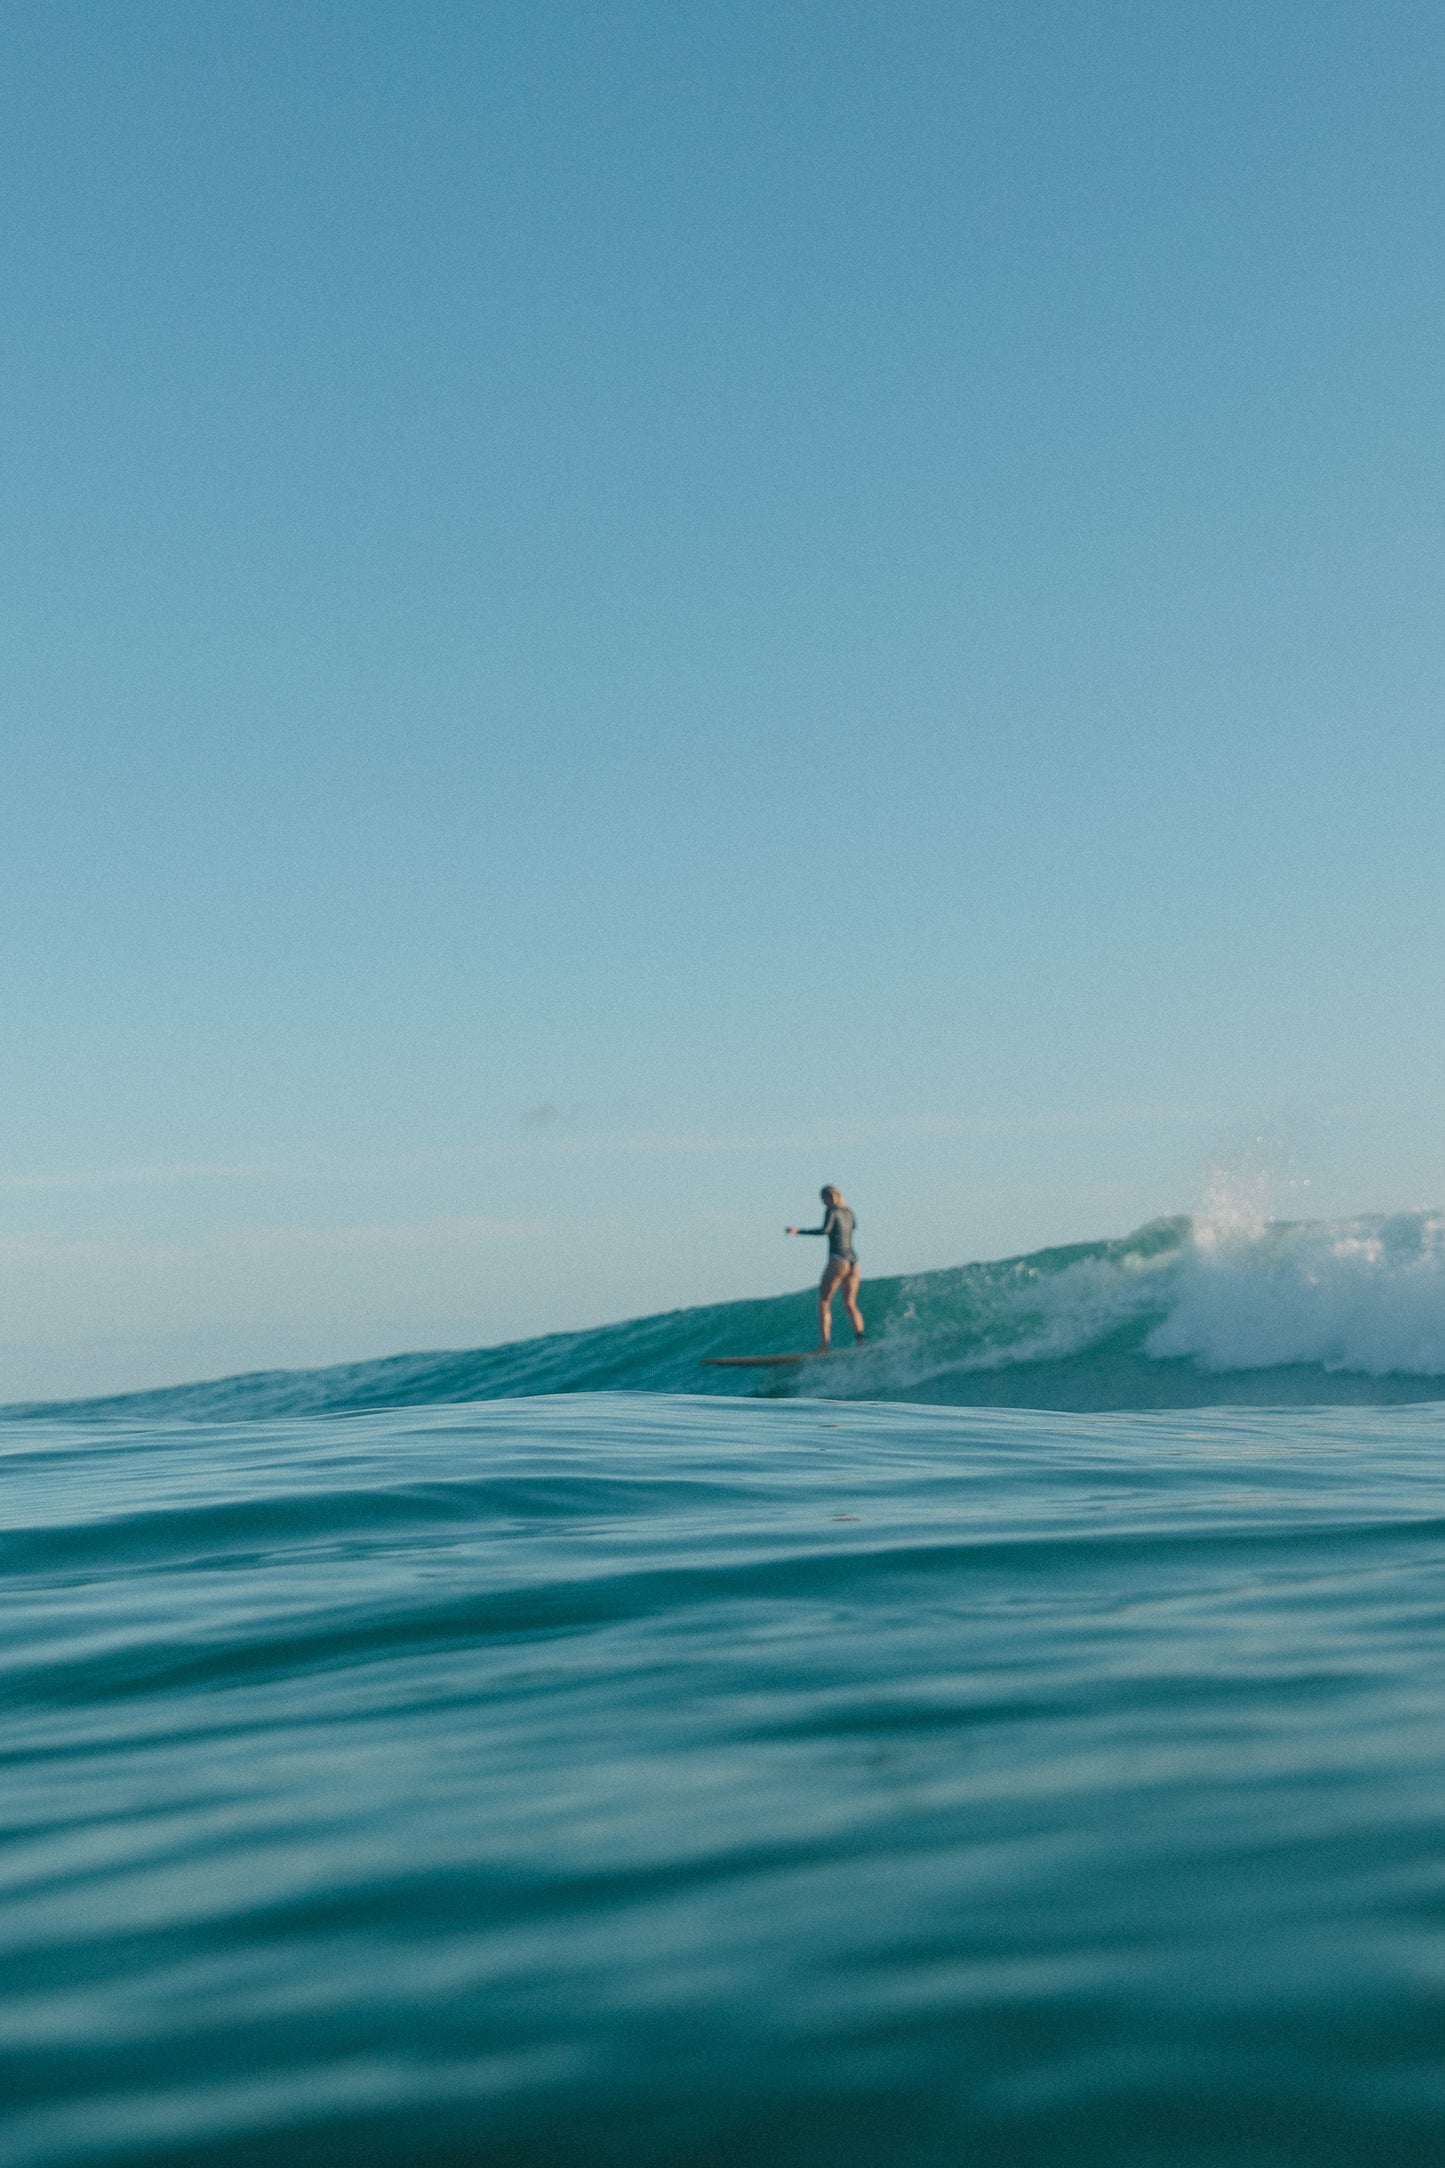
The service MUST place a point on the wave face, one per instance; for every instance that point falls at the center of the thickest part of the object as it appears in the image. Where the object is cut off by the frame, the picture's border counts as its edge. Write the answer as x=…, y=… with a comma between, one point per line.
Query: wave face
x=660, y=1782
x=1187, y=1312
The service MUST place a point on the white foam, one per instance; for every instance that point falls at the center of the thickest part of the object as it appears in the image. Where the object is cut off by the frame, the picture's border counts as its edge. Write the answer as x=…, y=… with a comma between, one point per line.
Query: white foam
x=1365, y=1295
x=1236, y=1291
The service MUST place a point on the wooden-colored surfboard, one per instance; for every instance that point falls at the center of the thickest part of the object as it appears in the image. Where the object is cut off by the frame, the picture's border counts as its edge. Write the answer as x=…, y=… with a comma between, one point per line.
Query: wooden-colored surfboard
x=762, y=1362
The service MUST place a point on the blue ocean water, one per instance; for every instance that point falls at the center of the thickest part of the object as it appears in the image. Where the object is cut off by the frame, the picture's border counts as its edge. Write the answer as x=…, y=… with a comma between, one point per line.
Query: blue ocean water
x=1188, y=1312
x=416, y=1774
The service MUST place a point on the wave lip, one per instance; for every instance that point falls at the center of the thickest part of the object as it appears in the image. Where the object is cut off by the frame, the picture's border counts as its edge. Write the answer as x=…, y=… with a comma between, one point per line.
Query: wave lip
x=1215, y=1309
x=1362, y=1295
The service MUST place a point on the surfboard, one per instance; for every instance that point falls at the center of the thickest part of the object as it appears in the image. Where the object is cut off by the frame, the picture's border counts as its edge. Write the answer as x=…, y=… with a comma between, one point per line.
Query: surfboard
x=762, y=1362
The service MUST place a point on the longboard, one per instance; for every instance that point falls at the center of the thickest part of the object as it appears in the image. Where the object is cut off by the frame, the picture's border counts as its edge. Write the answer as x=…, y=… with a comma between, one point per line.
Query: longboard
x=762, y=1362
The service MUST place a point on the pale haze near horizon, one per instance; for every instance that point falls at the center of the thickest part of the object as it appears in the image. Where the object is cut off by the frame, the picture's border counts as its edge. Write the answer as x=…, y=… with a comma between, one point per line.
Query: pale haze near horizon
x=613, y=613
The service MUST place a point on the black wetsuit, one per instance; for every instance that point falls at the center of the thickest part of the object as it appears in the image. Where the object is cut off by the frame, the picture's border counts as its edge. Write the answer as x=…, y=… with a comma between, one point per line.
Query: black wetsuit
x=838, y=1227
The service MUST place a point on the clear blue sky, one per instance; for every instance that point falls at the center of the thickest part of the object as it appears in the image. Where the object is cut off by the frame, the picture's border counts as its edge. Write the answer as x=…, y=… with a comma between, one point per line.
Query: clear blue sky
x=613, y=611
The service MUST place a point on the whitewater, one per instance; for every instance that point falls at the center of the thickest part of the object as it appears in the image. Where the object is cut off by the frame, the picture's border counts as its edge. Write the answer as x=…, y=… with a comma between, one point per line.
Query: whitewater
x=1019, y=1741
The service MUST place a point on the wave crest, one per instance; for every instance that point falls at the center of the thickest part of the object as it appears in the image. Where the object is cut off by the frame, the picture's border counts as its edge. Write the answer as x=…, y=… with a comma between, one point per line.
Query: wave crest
x=1364, y=1295
x=1186, y=1312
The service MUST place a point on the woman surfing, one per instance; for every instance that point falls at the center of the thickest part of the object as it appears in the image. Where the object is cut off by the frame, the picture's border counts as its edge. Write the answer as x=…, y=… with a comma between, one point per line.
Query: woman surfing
x=842, y=1269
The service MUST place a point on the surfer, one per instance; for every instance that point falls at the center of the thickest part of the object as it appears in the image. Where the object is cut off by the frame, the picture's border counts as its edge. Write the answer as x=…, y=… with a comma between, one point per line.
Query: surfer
x=842, y=1269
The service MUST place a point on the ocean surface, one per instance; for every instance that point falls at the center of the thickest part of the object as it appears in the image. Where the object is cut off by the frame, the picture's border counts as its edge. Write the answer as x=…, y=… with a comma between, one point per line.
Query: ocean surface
x=1018, y=1743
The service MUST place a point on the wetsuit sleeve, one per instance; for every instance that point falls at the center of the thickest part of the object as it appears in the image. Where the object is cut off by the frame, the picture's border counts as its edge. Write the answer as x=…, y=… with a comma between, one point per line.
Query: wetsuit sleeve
x=826, y=1228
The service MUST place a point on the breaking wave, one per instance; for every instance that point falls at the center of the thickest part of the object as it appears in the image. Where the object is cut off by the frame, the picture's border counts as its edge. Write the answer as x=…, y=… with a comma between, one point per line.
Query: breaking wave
x=1190, y=1311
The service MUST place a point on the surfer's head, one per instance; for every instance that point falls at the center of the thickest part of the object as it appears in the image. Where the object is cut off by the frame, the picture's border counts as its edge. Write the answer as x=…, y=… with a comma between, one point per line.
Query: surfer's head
x=831, y=1194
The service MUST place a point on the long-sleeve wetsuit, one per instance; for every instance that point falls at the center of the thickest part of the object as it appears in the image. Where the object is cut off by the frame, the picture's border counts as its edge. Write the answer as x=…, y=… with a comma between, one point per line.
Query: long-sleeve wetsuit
x=838, y=1226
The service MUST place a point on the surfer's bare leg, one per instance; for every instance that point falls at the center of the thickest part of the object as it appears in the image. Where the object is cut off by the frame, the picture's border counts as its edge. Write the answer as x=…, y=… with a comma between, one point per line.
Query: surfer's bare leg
x=850, y=1301
x=834, y=1274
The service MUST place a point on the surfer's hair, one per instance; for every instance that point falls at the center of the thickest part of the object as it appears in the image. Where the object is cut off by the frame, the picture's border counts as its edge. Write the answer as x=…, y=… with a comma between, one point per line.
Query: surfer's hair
x=830, y=1193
